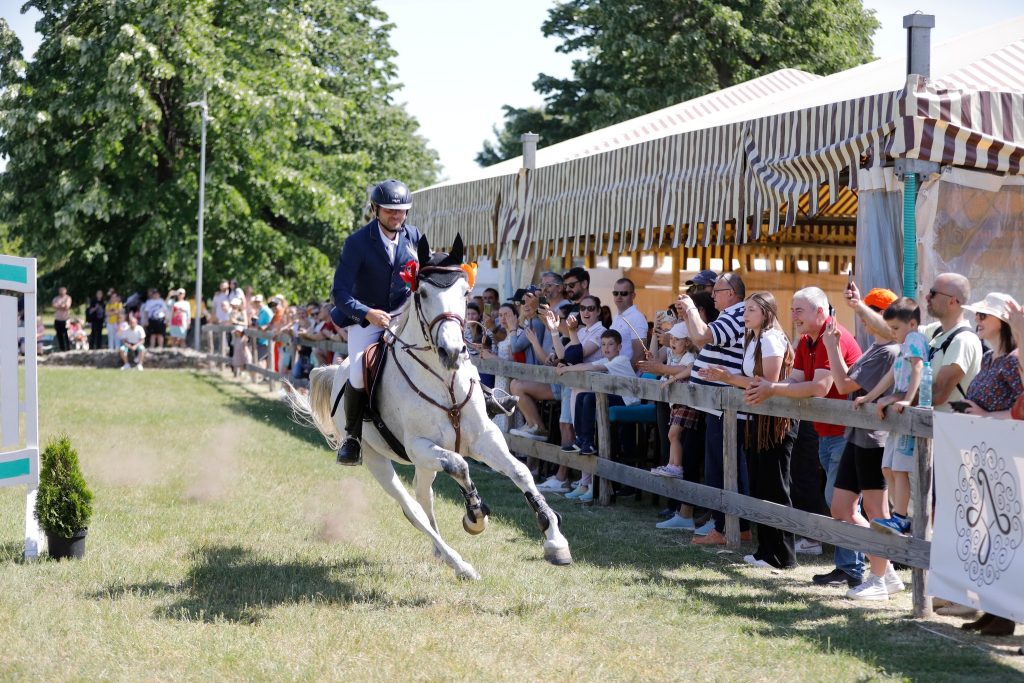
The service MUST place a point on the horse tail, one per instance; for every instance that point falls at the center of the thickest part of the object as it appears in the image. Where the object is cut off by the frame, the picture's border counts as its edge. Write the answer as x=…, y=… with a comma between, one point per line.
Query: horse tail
x=314, y=410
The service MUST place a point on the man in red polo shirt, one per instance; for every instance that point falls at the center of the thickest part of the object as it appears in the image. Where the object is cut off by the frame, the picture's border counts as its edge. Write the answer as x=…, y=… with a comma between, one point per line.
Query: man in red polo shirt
x=811, y=377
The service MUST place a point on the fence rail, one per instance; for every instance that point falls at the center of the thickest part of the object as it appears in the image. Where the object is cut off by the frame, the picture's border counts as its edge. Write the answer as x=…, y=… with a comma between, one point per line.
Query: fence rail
x=912, y=550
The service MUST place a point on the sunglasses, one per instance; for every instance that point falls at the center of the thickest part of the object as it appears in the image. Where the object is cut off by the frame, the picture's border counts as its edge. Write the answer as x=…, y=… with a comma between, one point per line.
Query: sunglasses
x=571, y=284
x=981, y=316
x=614, y=293
x=588, y=309
x=933, y=292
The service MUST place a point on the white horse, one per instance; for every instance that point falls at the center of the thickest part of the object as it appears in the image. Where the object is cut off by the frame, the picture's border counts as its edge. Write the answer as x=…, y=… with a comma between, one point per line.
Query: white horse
x=431, y=399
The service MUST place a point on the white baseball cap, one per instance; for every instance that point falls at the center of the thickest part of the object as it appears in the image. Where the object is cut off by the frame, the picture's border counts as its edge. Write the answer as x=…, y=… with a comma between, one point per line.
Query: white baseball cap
x=679, y=331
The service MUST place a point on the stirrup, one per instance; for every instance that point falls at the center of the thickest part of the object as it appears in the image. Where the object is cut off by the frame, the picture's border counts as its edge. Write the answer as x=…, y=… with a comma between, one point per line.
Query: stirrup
x=349, y=453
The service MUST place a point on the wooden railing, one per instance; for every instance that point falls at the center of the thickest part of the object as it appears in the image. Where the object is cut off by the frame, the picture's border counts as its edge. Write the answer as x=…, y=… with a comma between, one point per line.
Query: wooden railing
x=274, y=340
x=912, y=551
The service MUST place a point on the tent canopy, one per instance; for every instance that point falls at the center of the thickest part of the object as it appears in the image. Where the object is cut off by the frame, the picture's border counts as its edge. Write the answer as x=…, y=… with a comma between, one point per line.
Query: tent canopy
x=745, y=157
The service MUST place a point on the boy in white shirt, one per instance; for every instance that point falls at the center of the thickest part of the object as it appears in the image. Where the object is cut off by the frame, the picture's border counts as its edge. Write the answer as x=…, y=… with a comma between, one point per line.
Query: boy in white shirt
x=611, y=363
x=586, y=402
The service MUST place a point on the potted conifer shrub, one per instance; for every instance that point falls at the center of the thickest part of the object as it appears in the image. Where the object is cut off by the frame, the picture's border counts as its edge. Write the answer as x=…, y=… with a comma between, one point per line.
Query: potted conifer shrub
x=63, y=500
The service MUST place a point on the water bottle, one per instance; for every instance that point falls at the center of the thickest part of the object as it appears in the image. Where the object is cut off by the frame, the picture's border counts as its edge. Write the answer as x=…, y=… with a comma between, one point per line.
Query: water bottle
x=925, y=392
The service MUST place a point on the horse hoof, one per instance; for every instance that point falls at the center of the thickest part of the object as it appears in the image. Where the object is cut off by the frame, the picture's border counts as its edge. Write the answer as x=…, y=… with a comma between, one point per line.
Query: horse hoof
x=558, y=556
x=474, y=528
x=468, y=574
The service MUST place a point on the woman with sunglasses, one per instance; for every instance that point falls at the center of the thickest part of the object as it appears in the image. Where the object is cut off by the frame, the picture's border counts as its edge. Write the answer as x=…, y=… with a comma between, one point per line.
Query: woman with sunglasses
x=584, y=347
x=994, y=392
x=997, y=385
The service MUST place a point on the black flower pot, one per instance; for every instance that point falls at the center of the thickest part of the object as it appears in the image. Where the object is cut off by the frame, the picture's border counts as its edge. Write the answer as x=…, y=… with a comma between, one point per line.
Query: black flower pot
x=62, y=548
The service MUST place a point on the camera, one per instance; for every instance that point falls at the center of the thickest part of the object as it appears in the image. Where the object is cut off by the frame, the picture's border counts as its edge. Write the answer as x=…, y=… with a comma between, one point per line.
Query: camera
x=959, y=406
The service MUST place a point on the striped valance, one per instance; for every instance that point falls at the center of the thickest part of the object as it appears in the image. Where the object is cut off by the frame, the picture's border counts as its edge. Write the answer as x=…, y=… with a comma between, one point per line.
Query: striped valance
x=471, y=209
x=696, y=182
x=980, y=129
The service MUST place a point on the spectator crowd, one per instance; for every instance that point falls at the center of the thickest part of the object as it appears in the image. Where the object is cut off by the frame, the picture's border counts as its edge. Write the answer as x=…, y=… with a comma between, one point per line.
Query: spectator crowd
x=718, y=334
x=154, y=320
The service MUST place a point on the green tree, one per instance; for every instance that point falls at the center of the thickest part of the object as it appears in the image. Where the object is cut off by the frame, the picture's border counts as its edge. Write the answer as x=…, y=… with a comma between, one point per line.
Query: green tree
x=638, y=57
x=102, y=177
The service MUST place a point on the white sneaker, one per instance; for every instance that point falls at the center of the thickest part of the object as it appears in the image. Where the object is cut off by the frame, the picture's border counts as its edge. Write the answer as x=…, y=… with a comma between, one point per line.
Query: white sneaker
x=872, y=589
x=676, y=522
x=126, y=366
x=139, y=367
x=530, y=432
x=806, y=546
x=750, y=559
x=893, y=582
x=552, y=483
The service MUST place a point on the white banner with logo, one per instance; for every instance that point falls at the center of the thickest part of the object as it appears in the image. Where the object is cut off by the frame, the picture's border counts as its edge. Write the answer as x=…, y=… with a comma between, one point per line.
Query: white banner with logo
x=977, y=554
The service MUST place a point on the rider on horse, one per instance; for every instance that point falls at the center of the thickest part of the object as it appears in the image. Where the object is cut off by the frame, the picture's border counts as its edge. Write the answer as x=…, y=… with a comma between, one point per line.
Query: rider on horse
x=367, y=291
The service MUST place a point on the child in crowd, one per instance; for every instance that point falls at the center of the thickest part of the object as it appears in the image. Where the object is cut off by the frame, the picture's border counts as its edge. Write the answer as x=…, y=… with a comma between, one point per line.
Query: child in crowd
x=586, y=402
x=903, y=317
x=679, y=362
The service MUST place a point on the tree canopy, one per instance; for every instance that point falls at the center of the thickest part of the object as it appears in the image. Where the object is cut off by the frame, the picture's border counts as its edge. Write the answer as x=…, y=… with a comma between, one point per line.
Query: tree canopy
x=103, y=148
x=638, y=57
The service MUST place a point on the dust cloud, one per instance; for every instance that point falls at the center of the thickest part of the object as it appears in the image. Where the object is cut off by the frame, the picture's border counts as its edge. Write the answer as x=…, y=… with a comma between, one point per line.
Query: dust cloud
x=215, y=469
x=340, y=511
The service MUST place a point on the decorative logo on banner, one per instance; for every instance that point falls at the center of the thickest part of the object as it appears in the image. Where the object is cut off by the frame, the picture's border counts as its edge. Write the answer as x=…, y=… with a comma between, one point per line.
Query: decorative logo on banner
x=977, y=557
x=988, y=514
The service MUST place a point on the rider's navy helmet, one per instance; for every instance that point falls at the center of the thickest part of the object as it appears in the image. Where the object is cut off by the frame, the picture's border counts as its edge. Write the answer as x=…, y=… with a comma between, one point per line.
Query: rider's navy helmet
x=391, y=194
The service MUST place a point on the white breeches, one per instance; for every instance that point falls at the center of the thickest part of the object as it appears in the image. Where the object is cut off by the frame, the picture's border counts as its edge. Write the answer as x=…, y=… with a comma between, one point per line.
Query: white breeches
x=358, y=339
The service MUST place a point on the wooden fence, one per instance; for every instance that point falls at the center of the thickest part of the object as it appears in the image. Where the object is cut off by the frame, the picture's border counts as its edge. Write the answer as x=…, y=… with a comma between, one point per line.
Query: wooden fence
x=912, y=551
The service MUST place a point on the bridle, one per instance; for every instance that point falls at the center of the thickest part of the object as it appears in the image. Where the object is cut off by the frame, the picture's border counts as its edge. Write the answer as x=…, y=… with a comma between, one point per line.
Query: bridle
x=434, y=275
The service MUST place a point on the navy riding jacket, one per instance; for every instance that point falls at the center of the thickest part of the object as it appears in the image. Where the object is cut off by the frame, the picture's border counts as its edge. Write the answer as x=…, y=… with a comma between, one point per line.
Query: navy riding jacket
x=365, y=278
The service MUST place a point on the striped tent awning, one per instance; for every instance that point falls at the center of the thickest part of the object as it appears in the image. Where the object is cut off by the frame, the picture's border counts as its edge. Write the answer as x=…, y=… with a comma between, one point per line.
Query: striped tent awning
x=731, y=174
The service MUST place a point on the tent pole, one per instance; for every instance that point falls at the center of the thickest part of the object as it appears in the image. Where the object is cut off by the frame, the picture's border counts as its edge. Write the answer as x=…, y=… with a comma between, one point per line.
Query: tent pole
x=919, y=28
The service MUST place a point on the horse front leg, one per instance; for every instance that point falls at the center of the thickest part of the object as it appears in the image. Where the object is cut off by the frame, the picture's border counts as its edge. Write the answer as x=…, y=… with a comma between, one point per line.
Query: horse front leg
x=384, y=472
x=427, y=454
x=491, y=448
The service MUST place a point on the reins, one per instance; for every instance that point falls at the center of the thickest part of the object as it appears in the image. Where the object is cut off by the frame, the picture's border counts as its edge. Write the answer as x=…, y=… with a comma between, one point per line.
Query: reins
x=454, y=411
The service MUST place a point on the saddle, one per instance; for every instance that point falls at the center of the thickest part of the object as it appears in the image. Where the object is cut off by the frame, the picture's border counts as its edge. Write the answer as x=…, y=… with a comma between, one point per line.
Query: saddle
x=374, y=359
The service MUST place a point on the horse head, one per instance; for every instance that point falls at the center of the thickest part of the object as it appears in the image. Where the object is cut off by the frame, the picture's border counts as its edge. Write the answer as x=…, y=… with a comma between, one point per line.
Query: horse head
x=440, y=293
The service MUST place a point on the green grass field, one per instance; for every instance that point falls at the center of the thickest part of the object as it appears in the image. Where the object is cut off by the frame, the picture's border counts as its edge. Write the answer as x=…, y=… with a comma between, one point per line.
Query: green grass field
x=228, y=545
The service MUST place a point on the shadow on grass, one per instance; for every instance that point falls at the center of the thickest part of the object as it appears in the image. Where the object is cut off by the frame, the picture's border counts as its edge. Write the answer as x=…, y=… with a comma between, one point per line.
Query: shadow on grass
x=229, y=583
x=782, y=608
x=779, y=606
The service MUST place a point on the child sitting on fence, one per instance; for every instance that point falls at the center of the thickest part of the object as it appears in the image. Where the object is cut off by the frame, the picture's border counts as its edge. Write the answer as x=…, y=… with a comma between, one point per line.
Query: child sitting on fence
x=902, y=316
x=586, y=402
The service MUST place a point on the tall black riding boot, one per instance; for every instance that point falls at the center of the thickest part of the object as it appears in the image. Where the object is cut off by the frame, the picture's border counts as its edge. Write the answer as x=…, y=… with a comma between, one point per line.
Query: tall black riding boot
x=495, y=407
x=355, y=403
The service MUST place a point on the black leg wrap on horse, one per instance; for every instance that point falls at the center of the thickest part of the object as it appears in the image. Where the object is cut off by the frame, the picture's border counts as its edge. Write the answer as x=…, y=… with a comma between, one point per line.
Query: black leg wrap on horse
x=471, y=507
x=543, y=511
x=495, y=407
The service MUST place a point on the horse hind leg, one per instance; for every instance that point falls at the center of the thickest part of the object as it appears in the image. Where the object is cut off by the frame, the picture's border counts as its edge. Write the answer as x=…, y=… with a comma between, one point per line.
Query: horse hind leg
x=492, y=450
x=384, y=472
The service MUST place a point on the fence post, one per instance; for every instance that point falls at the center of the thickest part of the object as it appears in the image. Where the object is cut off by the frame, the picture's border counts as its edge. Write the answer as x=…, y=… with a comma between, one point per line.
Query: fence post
x=604, y=446
x=922, y=521
x=730, y=470
x=272, y=363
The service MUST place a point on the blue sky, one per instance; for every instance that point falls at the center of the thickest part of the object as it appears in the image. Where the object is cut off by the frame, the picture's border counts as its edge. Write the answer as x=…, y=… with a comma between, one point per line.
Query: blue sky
x=461, y=60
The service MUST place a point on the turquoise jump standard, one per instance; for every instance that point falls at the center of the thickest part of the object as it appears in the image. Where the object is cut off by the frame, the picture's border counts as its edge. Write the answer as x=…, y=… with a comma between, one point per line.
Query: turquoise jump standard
x=14, y=468
x=13, y=273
